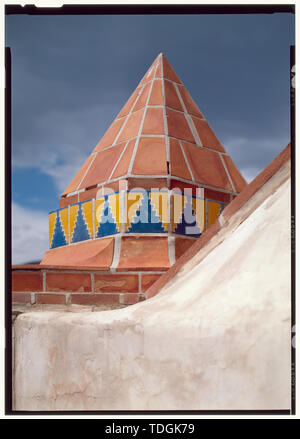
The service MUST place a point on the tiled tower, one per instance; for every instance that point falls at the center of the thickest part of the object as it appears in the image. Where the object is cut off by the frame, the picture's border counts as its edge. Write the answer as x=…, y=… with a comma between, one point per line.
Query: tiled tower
x=157, y=179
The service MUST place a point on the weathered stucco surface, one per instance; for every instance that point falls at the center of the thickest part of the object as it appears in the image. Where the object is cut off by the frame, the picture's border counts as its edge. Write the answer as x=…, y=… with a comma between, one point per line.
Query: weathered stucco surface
x=216, y=337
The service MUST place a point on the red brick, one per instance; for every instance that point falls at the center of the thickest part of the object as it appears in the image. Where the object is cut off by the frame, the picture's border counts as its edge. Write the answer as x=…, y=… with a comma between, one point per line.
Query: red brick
x=92, y=254
x=132, y=126
x=110, y=135
x=176, y=184
x=148, y=280
x=66, y=201
x=154, y=122
x=122, y=167
x=114, y=186
x=206, y=166
x=78, y=177
x=216, y=195
x=178, y=126
x=182, y=245
x=68, y=282
x=177, y=161
x=127, y=107
x=150, y=73
x=89, y=194
x=150, y=157
x=236, y=177
x=130, y=299
x=95, y=299
x=190, y=105
x=116, y=283
x=171, y=97
x=147, y=183
x=50, y=299
x=156, y=97
x=24, y=281
x=21, y=297
x=28, y=267
x=144, y=253
x=141, y=102
x=102, y=166
x=206, y=135
x=158, y=71
x=168, y=71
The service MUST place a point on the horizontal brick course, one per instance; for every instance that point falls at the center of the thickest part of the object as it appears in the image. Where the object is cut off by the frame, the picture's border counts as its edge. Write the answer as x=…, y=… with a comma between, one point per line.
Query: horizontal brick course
x=94, y=299
x=27, y=281
x=80, y=282
x=21, y=297
x=148, y=280
x=116, y=282
x=130, y=299
x=50, y=299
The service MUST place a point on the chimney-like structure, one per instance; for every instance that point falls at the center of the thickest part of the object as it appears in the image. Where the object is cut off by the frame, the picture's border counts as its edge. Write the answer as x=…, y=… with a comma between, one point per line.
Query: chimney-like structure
x=157, y=179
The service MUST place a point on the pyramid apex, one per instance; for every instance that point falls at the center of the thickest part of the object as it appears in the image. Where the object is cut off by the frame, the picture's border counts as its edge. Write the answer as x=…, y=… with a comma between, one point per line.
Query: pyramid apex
x=159, y=131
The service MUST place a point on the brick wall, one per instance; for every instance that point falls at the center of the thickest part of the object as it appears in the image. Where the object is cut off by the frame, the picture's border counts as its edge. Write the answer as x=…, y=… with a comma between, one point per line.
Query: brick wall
x=32, y=284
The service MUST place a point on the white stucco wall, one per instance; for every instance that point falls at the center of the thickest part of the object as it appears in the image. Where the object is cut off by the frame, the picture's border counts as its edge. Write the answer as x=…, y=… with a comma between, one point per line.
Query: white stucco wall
x=217, y=337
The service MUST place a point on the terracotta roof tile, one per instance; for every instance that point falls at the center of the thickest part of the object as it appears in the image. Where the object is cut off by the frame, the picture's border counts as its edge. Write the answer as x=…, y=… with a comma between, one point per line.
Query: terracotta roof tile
x=207, y=166
x=159, y=106
x=150, y=157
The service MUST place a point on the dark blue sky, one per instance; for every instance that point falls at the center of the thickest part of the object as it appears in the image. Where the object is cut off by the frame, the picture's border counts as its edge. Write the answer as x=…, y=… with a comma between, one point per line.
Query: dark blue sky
x=72, y=74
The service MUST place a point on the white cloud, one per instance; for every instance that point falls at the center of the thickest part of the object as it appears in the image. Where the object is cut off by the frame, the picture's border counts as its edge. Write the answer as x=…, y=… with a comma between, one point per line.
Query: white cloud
x=60, y=153
x=29, y=234
x=252, y=155
x=249, y=173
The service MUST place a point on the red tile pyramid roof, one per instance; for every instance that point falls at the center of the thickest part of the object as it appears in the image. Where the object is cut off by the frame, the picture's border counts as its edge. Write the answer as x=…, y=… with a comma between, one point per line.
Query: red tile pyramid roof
x=160, y=132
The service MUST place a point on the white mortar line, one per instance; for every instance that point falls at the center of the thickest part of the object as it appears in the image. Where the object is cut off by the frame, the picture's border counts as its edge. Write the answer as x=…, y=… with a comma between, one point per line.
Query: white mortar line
x=86, y=171
x=141, y=127
x=161, y=77
x=170, y=212
x=186, y=161
x=92, y=282
x=93, y=218
x=205, y=186
x=164, y=176
x=129, y=114
x=164, y=112
x=171, y=249
x=123, y=213
x=70, y=194
x=188, y=118
x=119, y=159
x=96, y=271
x=44, y=281
x=159, y=176
x=227, y=172
x=143, y=136
x=178, y=90
x=117, y=252
x=149, y=175
x=69, y=223
x=193, y=129
x=156, y=106
x=206, y=214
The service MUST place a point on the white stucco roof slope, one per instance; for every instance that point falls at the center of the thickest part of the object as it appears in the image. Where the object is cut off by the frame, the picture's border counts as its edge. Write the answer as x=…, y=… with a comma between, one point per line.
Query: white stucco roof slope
x=215, y=337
